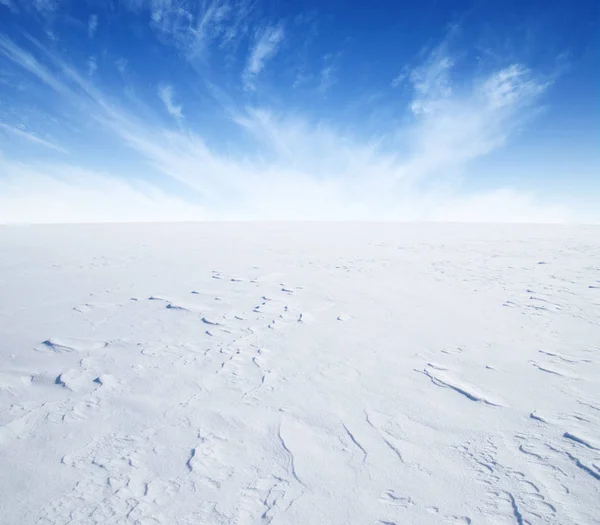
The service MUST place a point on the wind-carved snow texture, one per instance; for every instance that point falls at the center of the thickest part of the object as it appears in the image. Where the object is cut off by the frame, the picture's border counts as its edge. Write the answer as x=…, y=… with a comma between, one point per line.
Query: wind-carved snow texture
x=231, y=374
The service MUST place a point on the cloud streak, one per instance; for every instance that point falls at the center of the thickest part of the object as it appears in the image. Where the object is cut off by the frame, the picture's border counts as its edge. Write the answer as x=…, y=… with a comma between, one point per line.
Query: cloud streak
x=165, y=93
x=30, y=137
x=327, y=76
x=266, y=47
x=28, y=62
x=61, y=193
x=92, y=25
x=297, y=167
x=197, y=28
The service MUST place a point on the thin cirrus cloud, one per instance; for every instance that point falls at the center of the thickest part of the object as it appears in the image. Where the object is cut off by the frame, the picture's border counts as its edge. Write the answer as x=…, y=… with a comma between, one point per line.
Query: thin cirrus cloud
x=92, y=25
x=197, y=30
x=327, y=76
x=267, y=44
x=165, y=93
x=29, y=63
x=291, y=165
x=92, y=65
x=62, y=193
x=30, y=137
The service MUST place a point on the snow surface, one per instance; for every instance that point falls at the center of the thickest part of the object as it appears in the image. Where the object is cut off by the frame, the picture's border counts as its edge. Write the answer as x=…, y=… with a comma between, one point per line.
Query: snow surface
x=206, y=374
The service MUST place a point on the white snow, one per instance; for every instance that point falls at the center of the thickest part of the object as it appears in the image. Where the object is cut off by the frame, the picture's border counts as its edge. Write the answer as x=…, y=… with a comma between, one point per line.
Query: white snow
x=272, y=373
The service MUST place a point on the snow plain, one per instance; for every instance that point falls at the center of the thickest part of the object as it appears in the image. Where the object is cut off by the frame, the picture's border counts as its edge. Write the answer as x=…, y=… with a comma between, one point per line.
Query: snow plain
x=386, y=374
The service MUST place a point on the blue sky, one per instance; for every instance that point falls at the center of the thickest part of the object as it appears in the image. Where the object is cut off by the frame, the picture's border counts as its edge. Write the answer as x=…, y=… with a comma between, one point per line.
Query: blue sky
x=445, y=110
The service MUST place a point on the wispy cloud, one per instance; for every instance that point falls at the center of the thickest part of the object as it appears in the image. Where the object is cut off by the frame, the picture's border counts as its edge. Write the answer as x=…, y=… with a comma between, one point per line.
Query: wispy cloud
x=454, y=127
x=431, y=82
x=512, y=86
x=46, y=6
x=30, y=137
x=239, y=23
x=265, y=48
x=92, y=65
x=92, y=25
x=196, y=28
x=121, y=64
x=165, y=93
x=327, y=76
x=211, y=24
x=171, y=18
x=42, y=193
x=401, y=77
x=300, y=167
x=28, y=62
x=8, y=3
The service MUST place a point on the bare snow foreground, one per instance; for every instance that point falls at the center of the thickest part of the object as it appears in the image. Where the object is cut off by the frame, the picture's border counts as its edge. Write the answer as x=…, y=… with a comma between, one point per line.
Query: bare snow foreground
x=302, y=374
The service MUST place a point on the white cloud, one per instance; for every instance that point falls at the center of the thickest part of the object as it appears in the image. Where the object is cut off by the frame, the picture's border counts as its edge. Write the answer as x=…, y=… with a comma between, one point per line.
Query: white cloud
x=239, y=23
x=327, y=78
x=92, y=25
x=313, y=172
x=30, y=137
x=197, y=27
x=454, y=128
x=171, y=18
x=399, y=79
x=431, y=82
x=211, y=24
x=511, y=86
x=302, y=168
x=46, y=6
x=60, y=193
x=92, y=65
x=165, y=93
x=121, y=64
x=43, y=7
x=28, y=62
x=499, y=205
x=265, y=48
